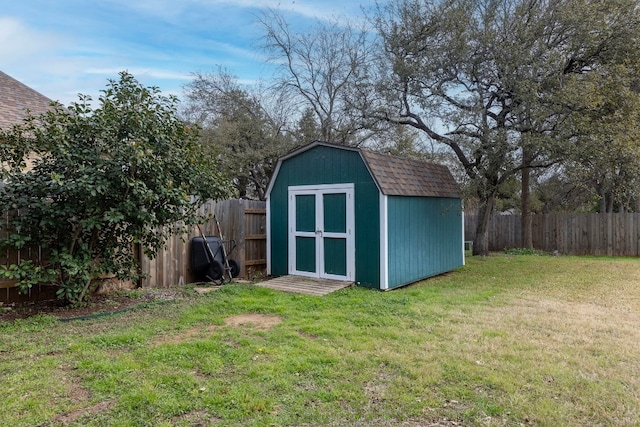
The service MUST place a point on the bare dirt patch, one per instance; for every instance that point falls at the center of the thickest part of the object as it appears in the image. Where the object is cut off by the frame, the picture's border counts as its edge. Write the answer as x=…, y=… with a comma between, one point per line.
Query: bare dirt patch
x=205, y=290
x=190, y=334
x=79, y=395
x=259, y=322
x=307, y=335
x=84, y=412
x=199, y=418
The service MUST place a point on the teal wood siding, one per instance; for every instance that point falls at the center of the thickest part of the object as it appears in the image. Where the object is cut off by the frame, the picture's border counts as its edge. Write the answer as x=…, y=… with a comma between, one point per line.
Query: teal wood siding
x=425, y=238
x=326, y=165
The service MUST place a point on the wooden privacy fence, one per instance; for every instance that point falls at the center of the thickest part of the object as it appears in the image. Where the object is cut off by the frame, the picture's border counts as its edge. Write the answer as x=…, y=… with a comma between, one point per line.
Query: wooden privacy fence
x=8, y=291
x=243, y=221
x=613, y=234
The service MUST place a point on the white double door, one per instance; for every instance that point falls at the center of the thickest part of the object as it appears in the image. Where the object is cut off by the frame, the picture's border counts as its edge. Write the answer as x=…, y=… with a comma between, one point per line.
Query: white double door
x=321, y=231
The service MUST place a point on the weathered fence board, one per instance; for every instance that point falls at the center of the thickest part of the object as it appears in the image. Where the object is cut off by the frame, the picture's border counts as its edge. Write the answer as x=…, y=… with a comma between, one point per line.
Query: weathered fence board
x=255, y=240
x=8, y=291
x=613, y=234
x=241, y=221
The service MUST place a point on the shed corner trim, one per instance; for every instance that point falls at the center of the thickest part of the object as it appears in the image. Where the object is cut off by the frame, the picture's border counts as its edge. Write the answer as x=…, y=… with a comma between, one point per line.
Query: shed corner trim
x=384, y=242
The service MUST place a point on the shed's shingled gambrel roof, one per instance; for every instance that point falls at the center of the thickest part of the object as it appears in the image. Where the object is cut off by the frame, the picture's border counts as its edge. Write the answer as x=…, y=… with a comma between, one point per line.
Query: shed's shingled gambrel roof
x=408, y=177
x=16, y=98
x=396, y=176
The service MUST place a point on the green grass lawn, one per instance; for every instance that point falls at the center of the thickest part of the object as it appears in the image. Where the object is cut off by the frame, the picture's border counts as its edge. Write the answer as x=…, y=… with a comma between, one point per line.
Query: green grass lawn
x=505, y=340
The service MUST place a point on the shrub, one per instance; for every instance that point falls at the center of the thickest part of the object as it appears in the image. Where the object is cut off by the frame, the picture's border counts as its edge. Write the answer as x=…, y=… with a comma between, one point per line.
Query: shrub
x=103, y=182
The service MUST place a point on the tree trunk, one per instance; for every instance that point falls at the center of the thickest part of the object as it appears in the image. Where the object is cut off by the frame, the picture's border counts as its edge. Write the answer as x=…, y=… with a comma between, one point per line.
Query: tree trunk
x=526, y=222
x=609, y=203
x=481, y=239
x=602, y=208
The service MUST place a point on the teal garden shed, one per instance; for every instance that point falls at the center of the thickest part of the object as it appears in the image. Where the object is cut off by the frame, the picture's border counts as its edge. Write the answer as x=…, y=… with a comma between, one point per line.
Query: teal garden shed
x=350, y=214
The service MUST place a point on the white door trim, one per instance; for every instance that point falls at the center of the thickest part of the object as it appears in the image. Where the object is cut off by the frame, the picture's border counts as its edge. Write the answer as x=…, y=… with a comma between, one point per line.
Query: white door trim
x=318, y=191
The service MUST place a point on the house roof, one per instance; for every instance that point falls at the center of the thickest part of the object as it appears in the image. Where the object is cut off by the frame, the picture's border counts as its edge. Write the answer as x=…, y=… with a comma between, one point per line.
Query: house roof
x=396, y=176
x=16, y=98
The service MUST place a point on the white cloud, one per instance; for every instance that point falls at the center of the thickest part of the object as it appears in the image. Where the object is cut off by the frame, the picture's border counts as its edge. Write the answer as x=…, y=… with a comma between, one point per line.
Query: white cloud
x=149, y=72
x=326, y=10
x=18, y=41
x=60, y=67
x=171, y=10
x=69, y=48
x=36, y=59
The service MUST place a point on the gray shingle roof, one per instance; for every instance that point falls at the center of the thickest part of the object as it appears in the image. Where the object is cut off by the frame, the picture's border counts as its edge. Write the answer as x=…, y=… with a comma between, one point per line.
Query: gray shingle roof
x=408, y=177
x=397, y=176
x=16, y=98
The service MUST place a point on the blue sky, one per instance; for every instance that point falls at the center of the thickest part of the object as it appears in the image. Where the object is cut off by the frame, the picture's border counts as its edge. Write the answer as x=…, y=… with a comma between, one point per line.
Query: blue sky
x=64, y=47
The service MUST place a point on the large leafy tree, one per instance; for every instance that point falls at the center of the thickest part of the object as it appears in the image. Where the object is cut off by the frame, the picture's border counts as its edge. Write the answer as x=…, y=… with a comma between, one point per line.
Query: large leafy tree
x=606, y=158
x=102, y=181
x=485, y=79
